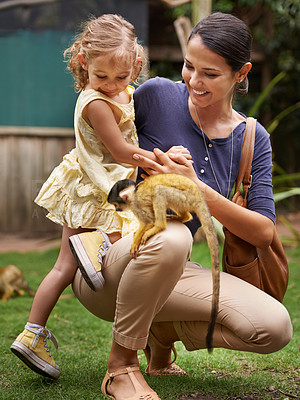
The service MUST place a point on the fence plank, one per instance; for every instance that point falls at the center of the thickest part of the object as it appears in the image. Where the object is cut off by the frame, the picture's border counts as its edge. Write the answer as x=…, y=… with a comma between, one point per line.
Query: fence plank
x=26, y=160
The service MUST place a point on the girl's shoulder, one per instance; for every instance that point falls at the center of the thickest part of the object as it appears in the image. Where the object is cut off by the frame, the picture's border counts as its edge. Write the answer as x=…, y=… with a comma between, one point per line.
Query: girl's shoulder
x=87, y=96
x=130, y=90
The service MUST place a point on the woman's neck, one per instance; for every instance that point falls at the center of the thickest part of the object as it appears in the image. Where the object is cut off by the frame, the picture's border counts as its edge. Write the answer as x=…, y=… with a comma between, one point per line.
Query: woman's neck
x=216, y=121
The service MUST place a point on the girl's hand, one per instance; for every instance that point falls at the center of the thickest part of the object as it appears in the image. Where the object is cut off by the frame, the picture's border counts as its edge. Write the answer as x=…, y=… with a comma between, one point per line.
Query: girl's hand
x=169, y=163
x=180, y=150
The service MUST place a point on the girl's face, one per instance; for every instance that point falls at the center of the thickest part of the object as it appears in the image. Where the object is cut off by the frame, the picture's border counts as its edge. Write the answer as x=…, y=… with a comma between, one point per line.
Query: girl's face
x=106, y=75
x=209, y=79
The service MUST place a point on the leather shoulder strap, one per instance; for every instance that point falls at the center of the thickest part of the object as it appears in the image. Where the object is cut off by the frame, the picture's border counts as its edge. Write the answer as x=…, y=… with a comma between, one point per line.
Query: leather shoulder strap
x=244, y=174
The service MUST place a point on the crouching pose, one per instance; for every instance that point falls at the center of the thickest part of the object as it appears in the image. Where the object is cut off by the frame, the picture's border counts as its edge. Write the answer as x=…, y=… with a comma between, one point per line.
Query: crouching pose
x=160, y=297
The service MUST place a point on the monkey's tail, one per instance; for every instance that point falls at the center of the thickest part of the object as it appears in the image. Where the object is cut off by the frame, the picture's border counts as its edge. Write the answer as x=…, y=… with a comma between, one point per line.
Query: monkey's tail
x=203, y=214
x=213, y=315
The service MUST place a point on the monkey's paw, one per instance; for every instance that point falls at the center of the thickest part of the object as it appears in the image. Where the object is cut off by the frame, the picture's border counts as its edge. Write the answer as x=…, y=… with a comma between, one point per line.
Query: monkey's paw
x=134, y=250
x=151, y=232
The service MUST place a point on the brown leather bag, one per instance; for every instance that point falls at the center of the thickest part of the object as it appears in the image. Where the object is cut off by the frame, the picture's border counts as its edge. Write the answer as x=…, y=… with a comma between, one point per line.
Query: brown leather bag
x=267, y=269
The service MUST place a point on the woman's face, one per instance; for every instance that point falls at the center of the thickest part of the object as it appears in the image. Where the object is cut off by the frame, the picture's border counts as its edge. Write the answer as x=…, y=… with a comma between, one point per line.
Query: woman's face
x=209, y=79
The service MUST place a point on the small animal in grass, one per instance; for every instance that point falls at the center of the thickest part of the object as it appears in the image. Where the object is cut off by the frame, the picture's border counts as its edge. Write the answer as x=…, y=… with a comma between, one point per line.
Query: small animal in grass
x=12, y=280
x=149, y=201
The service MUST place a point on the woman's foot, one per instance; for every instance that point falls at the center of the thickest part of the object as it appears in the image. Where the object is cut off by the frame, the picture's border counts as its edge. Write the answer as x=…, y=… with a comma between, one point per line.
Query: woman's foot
x=127, y=383
x=124, y=380
x=159, y=354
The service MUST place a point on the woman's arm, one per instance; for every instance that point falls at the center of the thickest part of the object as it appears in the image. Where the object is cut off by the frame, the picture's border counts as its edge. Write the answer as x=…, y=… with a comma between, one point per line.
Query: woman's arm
x=99, y=115
x=249, y=225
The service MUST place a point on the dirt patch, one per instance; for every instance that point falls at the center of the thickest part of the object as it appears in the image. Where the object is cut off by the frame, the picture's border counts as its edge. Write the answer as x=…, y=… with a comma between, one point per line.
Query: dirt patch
x=23, y=245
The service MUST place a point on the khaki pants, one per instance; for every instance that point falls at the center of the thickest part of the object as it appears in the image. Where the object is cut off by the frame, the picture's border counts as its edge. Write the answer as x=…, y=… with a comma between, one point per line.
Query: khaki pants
x=162, y=285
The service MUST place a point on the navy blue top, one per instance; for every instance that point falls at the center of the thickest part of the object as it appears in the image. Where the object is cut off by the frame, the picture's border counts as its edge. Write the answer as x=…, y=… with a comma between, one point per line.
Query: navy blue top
x=163, y=120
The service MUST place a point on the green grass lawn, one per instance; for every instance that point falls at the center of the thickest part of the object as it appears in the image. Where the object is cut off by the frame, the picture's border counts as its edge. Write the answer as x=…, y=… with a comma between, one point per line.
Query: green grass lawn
x=84, y=344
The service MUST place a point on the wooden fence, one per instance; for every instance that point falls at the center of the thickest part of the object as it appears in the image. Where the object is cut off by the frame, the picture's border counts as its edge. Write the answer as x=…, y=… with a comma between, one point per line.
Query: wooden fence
x=27, y=157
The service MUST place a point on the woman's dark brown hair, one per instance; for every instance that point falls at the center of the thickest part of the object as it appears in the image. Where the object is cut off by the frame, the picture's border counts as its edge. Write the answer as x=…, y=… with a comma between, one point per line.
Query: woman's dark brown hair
x=229, y=37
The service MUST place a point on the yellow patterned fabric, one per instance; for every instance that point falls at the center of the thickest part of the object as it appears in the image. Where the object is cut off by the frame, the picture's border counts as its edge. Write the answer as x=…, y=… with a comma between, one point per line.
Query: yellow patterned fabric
x=76, y=192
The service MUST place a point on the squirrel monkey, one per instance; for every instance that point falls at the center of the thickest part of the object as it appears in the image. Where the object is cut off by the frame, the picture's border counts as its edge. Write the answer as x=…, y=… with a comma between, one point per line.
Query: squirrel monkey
x=149, y=201
x=12, y=280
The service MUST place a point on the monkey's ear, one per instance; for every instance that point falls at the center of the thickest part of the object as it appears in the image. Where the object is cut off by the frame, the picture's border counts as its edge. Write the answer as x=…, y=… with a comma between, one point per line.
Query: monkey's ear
x=126, y=194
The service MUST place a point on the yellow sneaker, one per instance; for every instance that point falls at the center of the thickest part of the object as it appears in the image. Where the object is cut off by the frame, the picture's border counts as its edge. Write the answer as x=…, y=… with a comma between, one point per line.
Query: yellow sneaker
x=31, y=347
x=89, y=248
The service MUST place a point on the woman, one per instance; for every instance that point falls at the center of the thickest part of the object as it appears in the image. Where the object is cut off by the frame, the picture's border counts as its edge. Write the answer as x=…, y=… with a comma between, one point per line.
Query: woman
x=160, y=289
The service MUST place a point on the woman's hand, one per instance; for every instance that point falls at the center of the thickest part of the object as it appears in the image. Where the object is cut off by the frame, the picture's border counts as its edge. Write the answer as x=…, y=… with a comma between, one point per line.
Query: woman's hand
x=169, y=163
x=180, y=150
x=255, y=229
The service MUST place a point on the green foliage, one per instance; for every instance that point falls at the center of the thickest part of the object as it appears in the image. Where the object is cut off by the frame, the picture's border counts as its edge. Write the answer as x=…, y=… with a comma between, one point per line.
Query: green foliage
x=285, y=185
x=275, y=25
x=262, y=97
x=275, y=122
x=184, y=10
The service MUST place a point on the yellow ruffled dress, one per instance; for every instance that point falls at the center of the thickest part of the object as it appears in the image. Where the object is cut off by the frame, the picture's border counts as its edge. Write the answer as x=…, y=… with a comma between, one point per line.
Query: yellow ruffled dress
x=76, y=192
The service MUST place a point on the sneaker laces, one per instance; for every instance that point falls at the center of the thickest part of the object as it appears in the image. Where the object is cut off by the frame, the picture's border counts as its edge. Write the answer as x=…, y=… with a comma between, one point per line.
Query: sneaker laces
x=39, y=330
x=103, y=247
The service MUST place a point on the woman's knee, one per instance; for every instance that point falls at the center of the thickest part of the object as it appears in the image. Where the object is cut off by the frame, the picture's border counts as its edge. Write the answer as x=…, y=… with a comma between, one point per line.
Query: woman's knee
x=164, y=254
x=259, y=320
x=280, y=330
x=177, y=241
x=273, y=332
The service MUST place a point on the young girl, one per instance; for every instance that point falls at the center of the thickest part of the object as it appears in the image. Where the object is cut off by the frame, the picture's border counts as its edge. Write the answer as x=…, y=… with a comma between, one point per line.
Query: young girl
x=104, y=59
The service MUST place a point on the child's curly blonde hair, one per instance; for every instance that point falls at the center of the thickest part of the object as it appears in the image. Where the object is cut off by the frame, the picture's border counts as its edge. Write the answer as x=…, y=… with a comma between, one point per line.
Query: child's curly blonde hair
x=109, y=35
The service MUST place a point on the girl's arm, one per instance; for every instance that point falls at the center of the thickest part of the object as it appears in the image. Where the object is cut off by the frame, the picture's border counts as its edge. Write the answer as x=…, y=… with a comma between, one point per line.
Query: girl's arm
x=99, y=115
x=250, y=226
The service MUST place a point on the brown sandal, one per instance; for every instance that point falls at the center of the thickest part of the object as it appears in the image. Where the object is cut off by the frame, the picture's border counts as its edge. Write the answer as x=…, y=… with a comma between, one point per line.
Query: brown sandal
x=140, y=392
x=171, y=368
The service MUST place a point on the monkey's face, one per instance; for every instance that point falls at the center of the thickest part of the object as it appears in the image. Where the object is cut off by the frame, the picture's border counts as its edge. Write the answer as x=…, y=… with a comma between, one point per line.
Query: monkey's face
x=122, y=199
x=120, y=206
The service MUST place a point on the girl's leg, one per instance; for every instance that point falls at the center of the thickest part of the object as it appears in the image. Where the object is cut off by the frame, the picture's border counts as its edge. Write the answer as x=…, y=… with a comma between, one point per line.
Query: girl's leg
x=30, y=346
x=61, y=275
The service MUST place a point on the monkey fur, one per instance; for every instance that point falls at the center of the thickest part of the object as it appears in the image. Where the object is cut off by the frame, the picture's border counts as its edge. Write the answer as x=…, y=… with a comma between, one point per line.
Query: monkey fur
x=149, y=201
x=12, y=280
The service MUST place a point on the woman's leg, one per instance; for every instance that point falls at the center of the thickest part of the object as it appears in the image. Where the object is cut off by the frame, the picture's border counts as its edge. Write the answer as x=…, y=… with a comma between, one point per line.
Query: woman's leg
x=133, y=293
x=136, y=289
x=248, y=319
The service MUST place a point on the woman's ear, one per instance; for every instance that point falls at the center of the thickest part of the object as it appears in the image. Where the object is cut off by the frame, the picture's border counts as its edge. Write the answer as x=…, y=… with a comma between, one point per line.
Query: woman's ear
x=82, y=61
x=243, y=72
